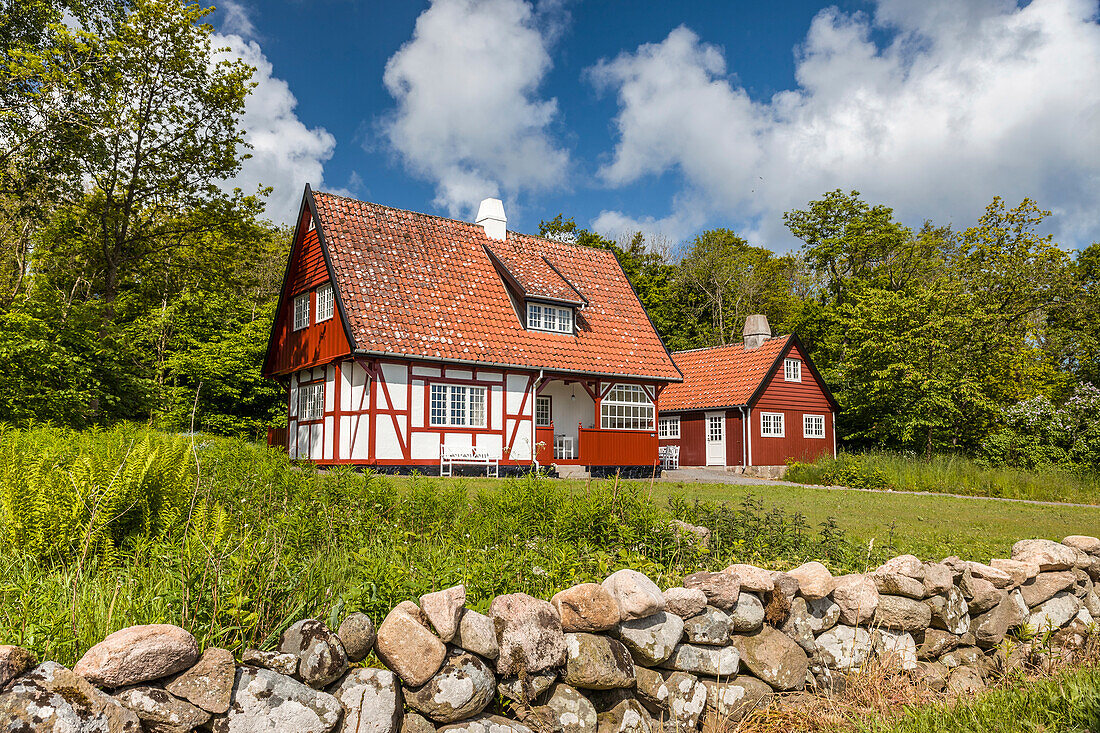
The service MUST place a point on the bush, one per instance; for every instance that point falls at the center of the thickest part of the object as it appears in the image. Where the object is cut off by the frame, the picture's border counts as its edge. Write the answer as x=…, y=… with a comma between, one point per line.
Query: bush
x=852, y=470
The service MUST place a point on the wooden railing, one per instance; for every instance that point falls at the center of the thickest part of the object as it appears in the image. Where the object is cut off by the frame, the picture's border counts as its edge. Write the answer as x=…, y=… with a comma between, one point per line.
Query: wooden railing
x=276, y=437
x=544, y=441
x=618, y=447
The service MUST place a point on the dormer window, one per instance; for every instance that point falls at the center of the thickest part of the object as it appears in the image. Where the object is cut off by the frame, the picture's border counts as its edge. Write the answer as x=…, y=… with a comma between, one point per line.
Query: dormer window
x=543, y=317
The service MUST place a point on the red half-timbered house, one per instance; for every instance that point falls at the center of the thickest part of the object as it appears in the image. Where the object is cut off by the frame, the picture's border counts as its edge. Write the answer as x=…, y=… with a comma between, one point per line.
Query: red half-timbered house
x=758, y=403
x=402, y=336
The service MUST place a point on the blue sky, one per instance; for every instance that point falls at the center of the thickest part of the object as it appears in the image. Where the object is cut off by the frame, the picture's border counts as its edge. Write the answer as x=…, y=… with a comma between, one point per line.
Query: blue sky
x=673, y=117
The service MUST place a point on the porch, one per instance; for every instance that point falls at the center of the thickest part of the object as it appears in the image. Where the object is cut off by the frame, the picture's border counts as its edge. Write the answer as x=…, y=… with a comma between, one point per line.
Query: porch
x=592, y=423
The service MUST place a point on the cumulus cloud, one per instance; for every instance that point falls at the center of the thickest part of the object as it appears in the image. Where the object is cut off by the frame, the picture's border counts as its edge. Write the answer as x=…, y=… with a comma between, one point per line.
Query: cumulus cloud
x=963, y=102
x=285, y=153
x=236, y=19
x=468, y=116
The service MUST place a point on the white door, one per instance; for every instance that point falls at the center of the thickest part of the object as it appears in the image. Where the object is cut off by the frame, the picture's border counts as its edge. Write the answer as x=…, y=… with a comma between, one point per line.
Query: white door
x=716, y=439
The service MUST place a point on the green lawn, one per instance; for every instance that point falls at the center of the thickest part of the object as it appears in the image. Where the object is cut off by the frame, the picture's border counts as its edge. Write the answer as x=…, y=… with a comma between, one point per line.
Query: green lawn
x=928, y=526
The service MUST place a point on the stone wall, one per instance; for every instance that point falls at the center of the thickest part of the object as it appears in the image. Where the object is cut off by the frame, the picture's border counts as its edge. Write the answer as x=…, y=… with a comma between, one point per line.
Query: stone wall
x=622, y=656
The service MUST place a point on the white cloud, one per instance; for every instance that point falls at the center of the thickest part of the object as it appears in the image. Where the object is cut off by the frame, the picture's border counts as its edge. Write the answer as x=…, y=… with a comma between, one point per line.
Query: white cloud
x=285, y=153
x=468, y=116
x=236, y=19
x=966, y=101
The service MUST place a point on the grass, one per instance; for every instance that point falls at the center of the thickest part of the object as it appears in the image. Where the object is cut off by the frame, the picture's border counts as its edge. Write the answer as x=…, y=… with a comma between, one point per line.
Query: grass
x=1065, y=703
x=948, y=474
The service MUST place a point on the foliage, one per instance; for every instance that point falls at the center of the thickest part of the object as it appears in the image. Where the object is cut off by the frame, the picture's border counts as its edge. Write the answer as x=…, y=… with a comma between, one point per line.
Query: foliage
x=1036, y=433
x=947, y=474
x=121, y=532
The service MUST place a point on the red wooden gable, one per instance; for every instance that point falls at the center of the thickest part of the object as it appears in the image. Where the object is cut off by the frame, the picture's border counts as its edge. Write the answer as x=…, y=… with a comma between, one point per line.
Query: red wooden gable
x=318, y=343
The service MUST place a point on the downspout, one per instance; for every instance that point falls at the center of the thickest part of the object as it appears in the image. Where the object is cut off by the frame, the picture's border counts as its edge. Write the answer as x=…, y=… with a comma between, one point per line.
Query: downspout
x=744, y=435
x=534, y=416
x=748, y=433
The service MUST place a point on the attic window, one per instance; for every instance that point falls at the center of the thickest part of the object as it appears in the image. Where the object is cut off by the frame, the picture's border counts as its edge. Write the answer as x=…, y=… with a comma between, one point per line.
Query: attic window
x=542, y=317
x=324, y=302
x=301, y=311
x=792, y=370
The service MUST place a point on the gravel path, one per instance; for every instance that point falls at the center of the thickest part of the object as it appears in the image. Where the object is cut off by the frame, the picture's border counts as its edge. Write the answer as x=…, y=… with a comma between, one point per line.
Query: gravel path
x=722, y=476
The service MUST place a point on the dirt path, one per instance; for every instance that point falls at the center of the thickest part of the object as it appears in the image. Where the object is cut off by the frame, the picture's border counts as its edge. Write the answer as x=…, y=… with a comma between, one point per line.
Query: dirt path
x=721, y=476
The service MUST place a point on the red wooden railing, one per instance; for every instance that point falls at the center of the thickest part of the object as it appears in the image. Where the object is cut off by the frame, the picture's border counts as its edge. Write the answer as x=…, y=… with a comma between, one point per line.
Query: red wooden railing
x=544, y=442
x=618, y=447
x=276, y=437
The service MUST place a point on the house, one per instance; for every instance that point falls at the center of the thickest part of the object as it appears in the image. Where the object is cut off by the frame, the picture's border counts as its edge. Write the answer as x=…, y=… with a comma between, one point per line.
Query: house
x=404, y=339
x=758, y=403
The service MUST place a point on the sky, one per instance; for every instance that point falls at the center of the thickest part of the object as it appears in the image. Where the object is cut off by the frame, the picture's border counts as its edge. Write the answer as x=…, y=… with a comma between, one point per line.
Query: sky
x=670, y=117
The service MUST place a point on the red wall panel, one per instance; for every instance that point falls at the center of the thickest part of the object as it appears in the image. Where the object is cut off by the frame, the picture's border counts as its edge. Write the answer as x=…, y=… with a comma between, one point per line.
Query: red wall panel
x=318, y=343
x=793, y=399
x=734, y=434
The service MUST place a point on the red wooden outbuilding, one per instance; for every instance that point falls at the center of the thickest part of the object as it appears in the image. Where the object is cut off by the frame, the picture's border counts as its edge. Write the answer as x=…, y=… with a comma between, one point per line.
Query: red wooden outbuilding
x=409, y=341
x=758, y=403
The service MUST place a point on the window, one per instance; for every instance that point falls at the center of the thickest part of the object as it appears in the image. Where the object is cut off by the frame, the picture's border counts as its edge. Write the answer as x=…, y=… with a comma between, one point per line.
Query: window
x=668, y=427
x=813, y=426
x=324, y=302
x=543, y=415
x=626, y=407
x=716, y=427
x=301, y=311
x=792, y=370
x=457, y=405
x=771, y=424
x=549, y=318
x=311, y=401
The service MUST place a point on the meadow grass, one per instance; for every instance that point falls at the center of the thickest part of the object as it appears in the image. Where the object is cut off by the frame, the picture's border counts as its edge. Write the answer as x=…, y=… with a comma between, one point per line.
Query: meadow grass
x=947, y=474
x=1068, y=702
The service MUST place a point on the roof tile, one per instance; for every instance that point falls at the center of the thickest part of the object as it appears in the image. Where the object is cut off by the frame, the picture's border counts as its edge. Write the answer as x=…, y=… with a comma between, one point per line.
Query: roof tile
x=721, y=376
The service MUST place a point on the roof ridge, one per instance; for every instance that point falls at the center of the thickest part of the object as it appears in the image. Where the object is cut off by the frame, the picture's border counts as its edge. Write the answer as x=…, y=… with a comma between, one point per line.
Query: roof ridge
x=465, y=223
x=727, y=346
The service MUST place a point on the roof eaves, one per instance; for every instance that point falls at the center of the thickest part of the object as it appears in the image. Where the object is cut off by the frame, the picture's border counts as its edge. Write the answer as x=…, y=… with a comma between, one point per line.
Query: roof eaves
x=286, y=276
x=336, y=290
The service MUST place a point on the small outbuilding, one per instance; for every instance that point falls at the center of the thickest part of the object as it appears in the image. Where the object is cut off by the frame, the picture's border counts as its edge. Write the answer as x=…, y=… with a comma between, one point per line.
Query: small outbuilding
x=758, y=403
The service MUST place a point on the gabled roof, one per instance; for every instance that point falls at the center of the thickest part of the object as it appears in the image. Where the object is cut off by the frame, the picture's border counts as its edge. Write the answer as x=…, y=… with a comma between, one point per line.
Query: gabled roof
x=729, y=376
x=423, y=286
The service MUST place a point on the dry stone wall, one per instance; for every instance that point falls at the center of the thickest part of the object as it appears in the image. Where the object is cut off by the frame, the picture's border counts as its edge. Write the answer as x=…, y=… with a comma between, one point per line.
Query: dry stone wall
x=622, y=656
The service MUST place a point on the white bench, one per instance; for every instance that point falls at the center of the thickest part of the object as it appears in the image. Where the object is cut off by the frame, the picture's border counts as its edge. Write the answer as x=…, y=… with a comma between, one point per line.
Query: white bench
x=449, y=457
x=670, y=456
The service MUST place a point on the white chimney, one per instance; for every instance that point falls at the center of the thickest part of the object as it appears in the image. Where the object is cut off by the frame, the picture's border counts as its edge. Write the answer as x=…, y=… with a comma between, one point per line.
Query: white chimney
x=490, y=216
x=757, y=331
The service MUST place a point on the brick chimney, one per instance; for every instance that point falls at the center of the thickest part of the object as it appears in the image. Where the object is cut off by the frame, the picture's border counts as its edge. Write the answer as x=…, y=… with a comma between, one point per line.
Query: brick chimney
x=757, y=331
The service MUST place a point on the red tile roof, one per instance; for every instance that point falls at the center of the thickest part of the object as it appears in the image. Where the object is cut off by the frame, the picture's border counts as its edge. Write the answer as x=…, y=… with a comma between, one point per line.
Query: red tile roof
x=534, y=276
x=421, y=285
x=722, y=376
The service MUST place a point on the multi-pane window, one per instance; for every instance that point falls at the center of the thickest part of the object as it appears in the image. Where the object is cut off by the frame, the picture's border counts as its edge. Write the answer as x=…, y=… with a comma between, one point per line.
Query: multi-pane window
x=541, y=317
x=301, y=311
x=771, y=424
x=324, y=302
x=543, y=416
x=457, y=405
x=626, y=407
x=311, y=401
x=668, y=427
x=813, y=426
x=716, y=428
x=792, y=370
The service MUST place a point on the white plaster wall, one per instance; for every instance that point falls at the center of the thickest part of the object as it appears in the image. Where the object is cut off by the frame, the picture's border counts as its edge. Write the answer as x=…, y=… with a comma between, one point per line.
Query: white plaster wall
x=492, y=443
x=459, y=373
x=420, y=387
x=397, y=382
x=566, y=411
x=496, y=407
x=292, y=438
x=330, y=389
x=426, y=371
x=328, y=437
x=517, y=385
x=293, y=406
x=425, y=446
x=457, y=440
x=385, y=443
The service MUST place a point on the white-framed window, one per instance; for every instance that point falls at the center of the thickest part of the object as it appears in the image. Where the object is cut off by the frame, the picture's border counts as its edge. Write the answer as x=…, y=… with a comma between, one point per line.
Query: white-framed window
x=457, y=405
x=668, y=427
x=792, y=370
x=301, y=311
x=543, y=411
x=311, y=401
x=324, y=302
x=813, y=426
x=542, y=317
x=626, y=407
x=771, y=424
x=716, y=428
